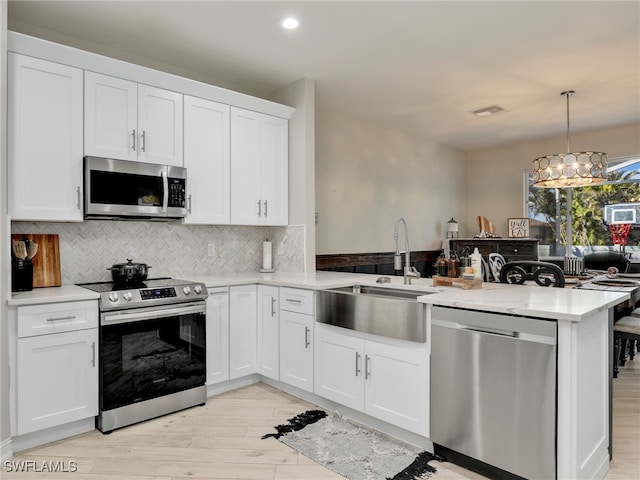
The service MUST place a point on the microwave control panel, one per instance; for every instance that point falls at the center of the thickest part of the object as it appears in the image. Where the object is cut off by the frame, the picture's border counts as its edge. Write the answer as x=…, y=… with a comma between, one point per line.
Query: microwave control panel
x=177, y=192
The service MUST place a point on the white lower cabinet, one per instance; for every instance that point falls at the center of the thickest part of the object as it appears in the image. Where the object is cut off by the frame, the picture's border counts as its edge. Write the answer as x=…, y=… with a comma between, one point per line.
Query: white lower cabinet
x=386, y=379
x=268, y=361
x=217, y=332
x=297, y=320
x=296, y=349
x=242, y=330
x=56, y=370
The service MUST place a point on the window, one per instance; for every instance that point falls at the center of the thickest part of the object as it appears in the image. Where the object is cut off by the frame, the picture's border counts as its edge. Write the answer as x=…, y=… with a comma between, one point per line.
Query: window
x=593, y=209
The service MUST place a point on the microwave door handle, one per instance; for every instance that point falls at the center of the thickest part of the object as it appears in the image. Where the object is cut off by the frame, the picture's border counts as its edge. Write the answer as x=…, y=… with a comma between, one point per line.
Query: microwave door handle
x=165, y=187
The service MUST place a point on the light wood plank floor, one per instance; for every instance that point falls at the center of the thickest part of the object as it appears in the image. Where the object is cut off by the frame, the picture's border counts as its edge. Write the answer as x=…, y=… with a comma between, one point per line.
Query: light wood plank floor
x=222, y=441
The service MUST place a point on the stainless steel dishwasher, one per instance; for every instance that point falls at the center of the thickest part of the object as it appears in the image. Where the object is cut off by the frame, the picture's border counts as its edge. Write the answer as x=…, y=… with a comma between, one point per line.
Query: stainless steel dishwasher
x=493, y=390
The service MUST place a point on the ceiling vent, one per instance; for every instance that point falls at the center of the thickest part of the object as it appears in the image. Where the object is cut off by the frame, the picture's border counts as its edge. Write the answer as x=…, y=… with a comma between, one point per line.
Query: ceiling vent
x=486, y=111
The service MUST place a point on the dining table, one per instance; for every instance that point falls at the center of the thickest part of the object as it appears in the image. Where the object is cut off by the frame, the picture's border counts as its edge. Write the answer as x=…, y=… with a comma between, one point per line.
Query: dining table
x=619, y=282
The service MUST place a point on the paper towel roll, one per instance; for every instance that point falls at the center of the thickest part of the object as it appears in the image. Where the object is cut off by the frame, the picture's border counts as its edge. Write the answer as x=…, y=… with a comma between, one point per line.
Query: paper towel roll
x=266, y=255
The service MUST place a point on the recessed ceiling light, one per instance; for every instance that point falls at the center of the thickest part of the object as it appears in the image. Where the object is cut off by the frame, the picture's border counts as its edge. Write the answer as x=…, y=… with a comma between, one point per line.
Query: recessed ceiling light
x=290, y=23
x=486, y=111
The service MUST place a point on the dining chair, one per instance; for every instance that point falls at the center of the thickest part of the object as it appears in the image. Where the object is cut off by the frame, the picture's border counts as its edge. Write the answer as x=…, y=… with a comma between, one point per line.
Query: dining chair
x=544, y=274
x=496, y=262
x=625, y=330
x=604, y=260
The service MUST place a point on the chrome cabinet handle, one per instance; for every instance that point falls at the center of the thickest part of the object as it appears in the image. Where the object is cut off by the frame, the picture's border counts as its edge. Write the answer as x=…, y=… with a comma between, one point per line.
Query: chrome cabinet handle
x=357, y=363
x=58, y=319
x=144, y=141
x=79, y=198
x=293, y=300
x=265, y=208
x=306, y=338
x=93, y=354
x=367, y=370
x=259, y=208
x=273, y=305
x=189, y=209
x=133, y=140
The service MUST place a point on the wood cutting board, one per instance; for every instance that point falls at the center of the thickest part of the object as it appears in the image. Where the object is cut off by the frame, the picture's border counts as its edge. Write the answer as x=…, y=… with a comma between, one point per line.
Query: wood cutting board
x=46, y=263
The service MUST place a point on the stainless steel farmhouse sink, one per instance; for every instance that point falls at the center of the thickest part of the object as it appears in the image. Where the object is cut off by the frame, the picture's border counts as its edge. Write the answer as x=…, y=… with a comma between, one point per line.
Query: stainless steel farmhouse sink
x=390, y=312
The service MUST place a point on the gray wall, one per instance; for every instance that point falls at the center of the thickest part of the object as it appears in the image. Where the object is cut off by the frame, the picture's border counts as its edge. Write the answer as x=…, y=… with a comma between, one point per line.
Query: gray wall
x=495, y=185
x=301, y=95
x=366, y=178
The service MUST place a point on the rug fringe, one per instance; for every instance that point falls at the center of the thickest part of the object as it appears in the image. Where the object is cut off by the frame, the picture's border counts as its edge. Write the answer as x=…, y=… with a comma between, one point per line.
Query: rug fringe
x=419, y=468
x=297, y=423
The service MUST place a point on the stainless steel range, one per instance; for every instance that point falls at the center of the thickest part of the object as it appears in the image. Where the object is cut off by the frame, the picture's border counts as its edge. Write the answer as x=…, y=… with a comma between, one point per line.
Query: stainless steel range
x=152, y=349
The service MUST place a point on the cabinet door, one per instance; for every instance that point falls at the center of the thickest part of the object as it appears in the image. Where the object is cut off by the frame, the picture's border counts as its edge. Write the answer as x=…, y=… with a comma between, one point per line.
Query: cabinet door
x=110, y=117
x=296, y=349
x=242, y=330
x=397, y=385
x=57, y=379
x=160, y=126
x=44, y=140
x=217, y=332
x=206, y=157
x=268, y=361
x=245, y=168
x=274, y=189
x=339, y=368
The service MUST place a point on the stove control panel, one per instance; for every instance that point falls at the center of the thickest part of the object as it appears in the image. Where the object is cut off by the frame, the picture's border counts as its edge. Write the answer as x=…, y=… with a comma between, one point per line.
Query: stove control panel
x=154, y=293
x=178, y=292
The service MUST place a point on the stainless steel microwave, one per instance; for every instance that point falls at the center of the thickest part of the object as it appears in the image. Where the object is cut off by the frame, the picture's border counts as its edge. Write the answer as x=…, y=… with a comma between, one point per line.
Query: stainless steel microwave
x=134, y=190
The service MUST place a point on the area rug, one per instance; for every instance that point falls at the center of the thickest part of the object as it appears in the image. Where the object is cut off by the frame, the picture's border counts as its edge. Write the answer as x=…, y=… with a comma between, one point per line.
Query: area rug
x=353, y=451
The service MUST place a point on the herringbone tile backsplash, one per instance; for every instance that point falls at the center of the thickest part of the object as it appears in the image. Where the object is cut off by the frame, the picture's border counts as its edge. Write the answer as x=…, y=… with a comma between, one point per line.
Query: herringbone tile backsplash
x=172, y=250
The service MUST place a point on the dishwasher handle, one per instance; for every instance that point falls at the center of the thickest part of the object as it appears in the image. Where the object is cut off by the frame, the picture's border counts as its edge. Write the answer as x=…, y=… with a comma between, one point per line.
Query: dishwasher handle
x=493, y=331
x=484, y=330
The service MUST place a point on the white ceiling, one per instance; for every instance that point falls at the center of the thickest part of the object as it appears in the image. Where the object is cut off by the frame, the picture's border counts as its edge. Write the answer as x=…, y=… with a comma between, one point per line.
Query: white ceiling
x=417, y=67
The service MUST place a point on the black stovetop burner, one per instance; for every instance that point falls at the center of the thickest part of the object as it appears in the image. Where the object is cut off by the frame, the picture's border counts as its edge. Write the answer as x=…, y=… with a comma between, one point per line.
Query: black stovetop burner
x=101, y=287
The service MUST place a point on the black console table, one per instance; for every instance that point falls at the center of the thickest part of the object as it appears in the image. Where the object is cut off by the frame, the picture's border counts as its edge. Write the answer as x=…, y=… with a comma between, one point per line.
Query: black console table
x=511, y=249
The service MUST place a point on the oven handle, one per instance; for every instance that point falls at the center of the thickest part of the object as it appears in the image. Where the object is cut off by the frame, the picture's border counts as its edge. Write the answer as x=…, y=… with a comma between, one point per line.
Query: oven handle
x=116, y=318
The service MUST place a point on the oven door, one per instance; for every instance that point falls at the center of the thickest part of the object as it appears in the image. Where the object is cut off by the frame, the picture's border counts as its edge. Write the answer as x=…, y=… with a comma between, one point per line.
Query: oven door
x=150, y=352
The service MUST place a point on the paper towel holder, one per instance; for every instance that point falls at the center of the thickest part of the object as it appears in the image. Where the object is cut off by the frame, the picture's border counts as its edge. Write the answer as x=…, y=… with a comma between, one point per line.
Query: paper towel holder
x=267, y=260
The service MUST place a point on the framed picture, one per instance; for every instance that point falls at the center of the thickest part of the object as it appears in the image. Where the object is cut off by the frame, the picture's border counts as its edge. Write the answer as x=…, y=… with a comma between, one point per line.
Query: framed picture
x=518, y=228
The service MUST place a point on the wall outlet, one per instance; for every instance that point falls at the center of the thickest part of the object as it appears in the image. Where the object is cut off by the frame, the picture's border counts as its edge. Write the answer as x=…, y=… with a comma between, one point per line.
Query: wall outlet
x=211, y=249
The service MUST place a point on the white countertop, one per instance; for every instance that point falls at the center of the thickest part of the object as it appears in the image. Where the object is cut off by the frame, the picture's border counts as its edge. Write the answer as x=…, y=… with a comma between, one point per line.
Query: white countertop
x=528, y=300
x=65, y=293
x=544, y=302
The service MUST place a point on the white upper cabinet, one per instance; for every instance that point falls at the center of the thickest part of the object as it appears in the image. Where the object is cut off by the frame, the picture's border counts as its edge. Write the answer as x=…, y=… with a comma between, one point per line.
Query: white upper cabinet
x=131, y=121
x=259, y=168
x=206, y=157
x=44, y=140
x=160, y=122
x=111, y=117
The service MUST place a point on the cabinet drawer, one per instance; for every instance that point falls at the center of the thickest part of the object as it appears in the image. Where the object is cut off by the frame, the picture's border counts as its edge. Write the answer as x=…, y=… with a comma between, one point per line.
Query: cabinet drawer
x=57, y=318
x=522, y=251
x=296, y=300
x=483, y=247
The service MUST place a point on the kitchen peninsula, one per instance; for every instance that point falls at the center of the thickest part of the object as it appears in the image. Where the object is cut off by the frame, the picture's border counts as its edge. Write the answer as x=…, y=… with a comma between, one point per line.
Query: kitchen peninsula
x=581, y=320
